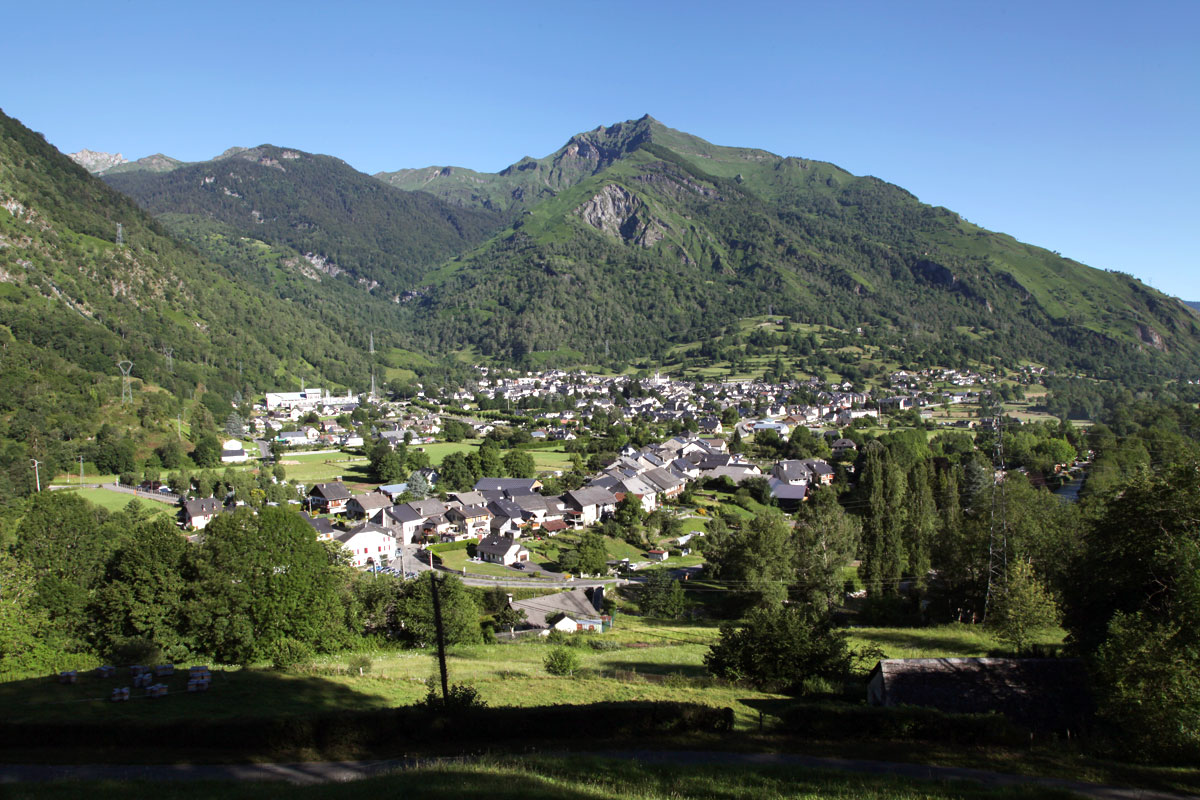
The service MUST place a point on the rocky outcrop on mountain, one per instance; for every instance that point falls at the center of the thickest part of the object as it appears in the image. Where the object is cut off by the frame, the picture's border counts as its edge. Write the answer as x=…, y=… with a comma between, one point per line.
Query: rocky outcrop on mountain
x=95, y=162
x=620, y=213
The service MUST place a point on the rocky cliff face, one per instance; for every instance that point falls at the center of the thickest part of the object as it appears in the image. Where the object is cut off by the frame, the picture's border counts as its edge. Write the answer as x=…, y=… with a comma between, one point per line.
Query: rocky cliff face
x=620, y=213
x=96, y=163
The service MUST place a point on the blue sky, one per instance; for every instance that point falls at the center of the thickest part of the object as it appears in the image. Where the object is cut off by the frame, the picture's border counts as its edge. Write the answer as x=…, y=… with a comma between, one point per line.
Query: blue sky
x=1070, y=125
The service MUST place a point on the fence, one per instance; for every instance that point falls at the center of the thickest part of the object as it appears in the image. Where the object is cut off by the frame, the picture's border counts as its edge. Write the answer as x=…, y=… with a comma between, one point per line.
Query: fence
x=162, y=497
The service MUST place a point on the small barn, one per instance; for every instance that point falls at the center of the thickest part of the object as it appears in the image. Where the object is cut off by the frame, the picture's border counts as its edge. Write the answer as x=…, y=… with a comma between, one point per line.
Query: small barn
x=1040, y=693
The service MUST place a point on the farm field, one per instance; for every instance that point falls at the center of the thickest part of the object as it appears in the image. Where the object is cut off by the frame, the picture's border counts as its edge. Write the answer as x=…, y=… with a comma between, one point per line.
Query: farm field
x=117, y=501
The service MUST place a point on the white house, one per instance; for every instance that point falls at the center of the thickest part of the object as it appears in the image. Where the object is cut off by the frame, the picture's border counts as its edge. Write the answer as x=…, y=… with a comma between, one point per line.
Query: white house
x=232, y=452
x=369, y=545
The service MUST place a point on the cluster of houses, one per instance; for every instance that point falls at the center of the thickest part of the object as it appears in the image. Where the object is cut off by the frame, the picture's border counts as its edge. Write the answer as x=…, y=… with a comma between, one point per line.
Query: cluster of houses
x=497, y=512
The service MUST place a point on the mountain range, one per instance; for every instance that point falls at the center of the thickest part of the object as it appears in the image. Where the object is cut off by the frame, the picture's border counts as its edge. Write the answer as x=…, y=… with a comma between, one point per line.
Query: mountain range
x=634, y=240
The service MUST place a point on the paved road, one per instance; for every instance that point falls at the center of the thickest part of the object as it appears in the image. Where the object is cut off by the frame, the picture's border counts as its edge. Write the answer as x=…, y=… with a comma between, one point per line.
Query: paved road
x=264, y=449
x=340, y=771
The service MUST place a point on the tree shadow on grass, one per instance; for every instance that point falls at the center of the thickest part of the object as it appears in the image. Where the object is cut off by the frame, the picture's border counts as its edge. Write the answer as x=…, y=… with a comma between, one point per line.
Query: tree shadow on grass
x=656, y=670
x=918, y=639
x=237, y=693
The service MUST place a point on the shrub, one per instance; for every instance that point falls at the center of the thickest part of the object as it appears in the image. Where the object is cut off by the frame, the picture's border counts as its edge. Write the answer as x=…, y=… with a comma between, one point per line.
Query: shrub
x=603, y=644
x=460, y=696
x=287, y=653
x=135, y=650
x=562, y=662
x=360, y=664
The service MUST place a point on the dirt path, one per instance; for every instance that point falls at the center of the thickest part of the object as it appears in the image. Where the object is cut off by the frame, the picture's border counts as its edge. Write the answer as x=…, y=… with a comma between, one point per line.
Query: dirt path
x=338, y=771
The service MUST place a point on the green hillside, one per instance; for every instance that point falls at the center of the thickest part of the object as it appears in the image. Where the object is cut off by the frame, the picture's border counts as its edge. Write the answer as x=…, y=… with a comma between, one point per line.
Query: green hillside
x=87, y=279
x=642, y=236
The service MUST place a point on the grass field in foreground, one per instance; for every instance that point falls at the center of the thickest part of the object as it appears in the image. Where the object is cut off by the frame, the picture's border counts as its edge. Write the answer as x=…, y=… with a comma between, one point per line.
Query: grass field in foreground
x=652, y=660
x=545, y=778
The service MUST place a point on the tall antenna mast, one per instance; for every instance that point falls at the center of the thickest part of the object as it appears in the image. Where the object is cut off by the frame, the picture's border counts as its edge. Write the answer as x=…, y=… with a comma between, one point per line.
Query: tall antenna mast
x=998, y=541
x=126, y=384
x=37, y=479
x=120, y=234
x=169, y=355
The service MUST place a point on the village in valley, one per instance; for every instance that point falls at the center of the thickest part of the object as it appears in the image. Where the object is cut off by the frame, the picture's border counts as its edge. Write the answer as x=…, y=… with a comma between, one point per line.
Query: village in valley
x=691, y=451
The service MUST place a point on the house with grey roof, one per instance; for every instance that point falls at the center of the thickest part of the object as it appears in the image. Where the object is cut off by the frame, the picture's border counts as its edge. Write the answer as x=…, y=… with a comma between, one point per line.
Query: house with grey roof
x=369, y=506
x=511, y=486
x=590, y=504
x=331, y=498
x=507, y=517
x=195, y=514
x=575, y=610
x=497, y=549
x=404, y=522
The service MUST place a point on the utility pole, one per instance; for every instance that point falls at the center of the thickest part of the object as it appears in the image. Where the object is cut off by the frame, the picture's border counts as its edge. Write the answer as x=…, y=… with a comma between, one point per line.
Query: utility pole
x=441, y=637
x=126, y=367
x=36, y=477
x=81, y=470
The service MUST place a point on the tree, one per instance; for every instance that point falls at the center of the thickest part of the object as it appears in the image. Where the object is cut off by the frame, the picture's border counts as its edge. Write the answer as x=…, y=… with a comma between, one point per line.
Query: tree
x=519, y=464
x=1022, y=608
x=660, y=596
x=592, y=554
x=826, y=540
x=456, y=474
x=758, y=562
x=460, y=615
x=629, y=513
x=391, y=468
x=234, y=424
x=509, y=617
x=207, y=452
x=142, y=593
x=170, y=453
x=882, y=486
x=779, y=648
x=64, y=541
x=26, y=631
x=259, y=578
x=1132, y=605
x=1147, y=674
x=489, y=459
x=418, y=486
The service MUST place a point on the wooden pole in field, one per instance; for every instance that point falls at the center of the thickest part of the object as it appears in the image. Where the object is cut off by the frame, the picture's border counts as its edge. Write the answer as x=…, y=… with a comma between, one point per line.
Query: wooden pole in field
x=441, y=636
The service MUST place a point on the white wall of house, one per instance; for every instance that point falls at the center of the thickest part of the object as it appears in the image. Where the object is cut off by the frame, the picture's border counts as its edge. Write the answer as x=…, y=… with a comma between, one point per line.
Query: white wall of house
x=370, y=545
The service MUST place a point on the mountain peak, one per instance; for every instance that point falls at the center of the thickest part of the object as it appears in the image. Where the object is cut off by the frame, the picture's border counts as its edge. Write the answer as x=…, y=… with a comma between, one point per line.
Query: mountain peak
x=96, y=162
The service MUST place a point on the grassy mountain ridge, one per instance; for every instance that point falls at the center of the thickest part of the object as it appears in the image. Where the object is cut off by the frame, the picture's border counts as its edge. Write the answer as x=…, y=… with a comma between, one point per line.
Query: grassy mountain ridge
x=315, y=204
x=640, y=230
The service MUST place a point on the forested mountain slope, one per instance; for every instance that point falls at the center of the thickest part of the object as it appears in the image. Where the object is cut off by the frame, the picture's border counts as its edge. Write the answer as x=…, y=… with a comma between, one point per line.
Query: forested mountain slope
x=87, y=279
x=343, y=220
